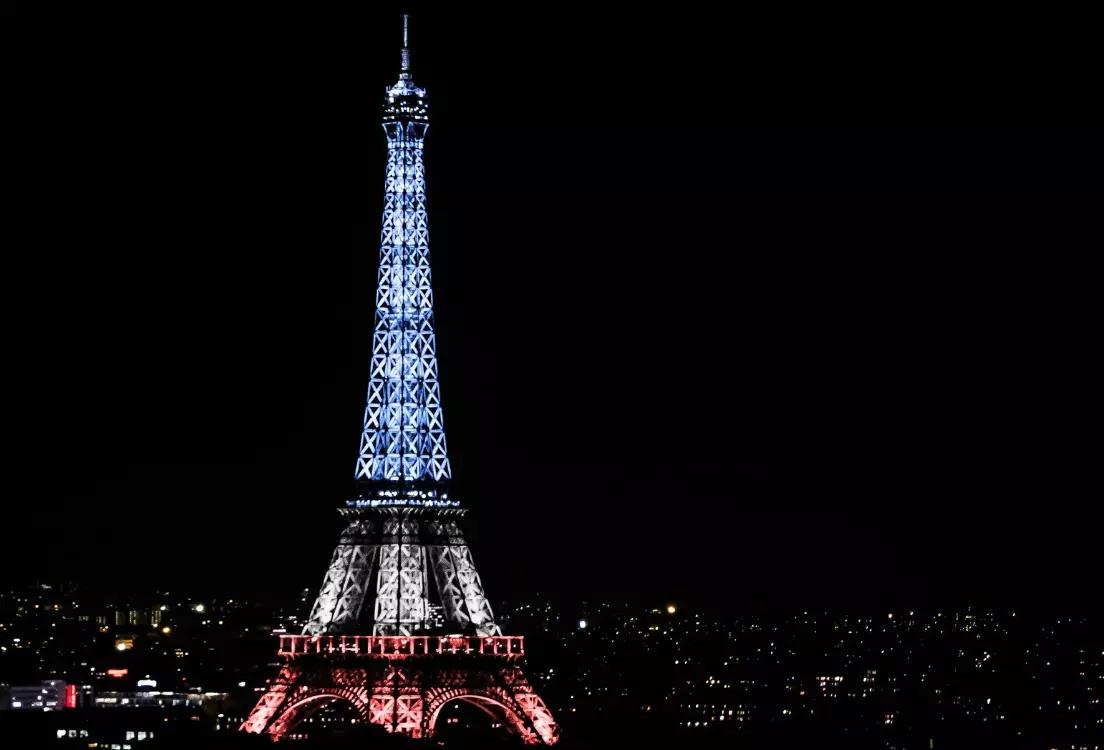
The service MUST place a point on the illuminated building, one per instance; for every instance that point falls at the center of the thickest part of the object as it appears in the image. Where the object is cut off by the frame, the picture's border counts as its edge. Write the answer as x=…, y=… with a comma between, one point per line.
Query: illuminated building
x=49, y=695
x=401, y=626
x=157, y=699
x=139, y=617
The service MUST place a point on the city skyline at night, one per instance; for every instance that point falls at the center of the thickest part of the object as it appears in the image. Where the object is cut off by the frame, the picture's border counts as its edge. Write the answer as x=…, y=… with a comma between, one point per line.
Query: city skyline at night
x=635, y=670
x=766, y=340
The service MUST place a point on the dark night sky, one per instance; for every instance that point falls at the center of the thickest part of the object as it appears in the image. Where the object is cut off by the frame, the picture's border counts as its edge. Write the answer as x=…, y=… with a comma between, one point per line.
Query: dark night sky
x=785, y=308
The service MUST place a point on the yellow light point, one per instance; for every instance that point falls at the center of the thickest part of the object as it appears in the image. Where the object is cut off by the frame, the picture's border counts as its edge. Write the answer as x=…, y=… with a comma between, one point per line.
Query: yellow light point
x=166, y=630
x=891, y=615
x=120, y=647
x=199, y=608
x=671, y=609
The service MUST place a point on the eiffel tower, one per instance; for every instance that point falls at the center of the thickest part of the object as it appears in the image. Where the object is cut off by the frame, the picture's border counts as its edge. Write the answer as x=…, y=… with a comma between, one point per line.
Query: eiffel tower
x=401, y=626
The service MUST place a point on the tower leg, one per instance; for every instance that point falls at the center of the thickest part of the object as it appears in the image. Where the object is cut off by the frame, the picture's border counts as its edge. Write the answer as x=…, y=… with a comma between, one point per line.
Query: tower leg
x=345, y=586
x=539, y=716
x=268, y=707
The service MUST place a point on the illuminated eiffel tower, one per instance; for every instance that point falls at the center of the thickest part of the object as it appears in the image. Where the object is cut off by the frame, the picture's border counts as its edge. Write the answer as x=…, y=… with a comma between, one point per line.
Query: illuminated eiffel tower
x=401, y=626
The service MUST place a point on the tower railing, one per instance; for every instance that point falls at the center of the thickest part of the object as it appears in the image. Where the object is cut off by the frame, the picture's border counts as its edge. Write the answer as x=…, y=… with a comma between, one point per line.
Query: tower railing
x=402, y=646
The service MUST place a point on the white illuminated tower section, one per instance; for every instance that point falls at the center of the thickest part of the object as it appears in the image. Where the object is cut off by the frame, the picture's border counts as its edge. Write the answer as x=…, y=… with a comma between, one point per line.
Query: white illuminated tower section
x=401, y=625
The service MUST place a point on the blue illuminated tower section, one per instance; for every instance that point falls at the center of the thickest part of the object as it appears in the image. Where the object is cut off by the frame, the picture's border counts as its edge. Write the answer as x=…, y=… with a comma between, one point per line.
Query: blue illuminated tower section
x=403, y=445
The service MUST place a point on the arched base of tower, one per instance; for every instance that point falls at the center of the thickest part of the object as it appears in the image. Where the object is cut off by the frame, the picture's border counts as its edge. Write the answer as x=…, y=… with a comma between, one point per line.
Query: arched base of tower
x=402, y=695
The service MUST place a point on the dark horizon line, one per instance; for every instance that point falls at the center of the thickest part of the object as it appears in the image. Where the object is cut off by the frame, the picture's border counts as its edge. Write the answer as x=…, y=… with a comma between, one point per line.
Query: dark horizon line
x=752, y=606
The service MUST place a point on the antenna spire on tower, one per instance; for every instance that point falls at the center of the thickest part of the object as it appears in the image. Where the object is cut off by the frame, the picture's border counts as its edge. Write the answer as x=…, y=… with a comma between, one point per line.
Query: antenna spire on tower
x=405, y=101
x=405, y=50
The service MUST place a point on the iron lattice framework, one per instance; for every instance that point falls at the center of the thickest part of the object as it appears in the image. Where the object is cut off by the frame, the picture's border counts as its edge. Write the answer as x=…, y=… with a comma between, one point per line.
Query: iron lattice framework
x=402, y=571
x=425, y=580
x=404, y=434
x=402, y=683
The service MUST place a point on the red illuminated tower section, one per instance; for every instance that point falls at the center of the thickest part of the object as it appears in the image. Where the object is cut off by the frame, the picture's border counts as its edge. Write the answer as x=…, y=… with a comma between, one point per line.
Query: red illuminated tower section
x=401, y=626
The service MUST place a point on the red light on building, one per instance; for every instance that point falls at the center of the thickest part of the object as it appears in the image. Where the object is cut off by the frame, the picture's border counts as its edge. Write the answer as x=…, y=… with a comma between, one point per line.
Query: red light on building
x=117, y=672
x=70, y=696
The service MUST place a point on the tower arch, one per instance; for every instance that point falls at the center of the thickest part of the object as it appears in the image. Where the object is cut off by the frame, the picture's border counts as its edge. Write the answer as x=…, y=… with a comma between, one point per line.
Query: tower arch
x=304, y=703
x=495, y=702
